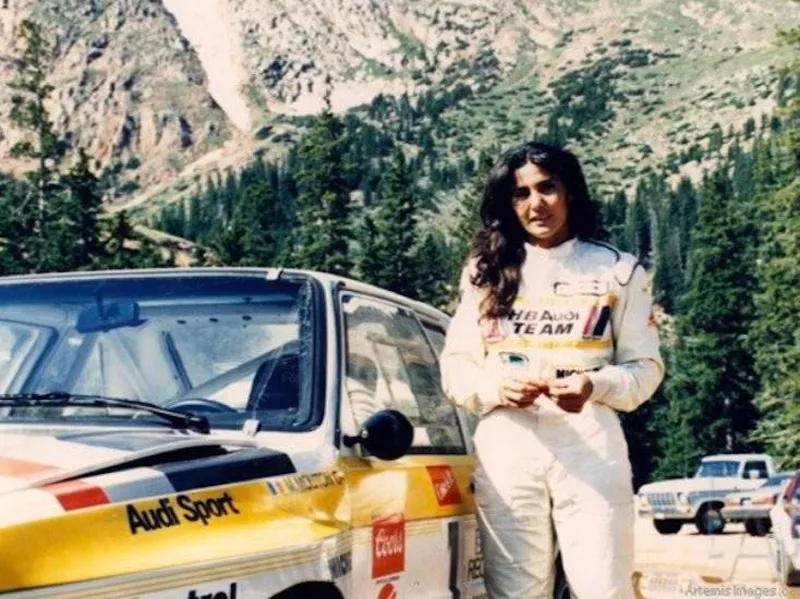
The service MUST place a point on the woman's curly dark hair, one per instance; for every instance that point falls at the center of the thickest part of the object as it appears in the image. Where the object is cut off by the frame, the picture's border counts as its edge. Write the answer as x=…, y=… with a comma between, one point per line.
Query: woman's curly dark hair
x=498, y=249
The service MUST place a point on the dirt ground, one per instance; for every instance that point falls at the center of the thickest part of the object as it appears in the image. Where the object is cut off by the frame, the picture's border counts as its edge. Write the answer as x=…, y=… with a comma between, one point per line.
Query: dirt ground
x=733, y=564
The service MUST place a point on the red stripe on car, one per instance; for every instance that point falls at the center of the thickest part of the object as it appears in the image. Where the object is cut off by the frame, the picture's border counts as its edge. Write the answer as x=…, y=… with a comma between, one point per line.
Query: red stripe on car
x=77, y=494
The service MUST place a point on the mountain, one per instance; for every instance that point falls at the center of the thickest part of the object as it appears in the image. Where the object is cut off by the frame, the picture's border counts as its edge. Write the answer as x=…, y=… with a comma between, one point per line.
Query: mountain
x=162, y=92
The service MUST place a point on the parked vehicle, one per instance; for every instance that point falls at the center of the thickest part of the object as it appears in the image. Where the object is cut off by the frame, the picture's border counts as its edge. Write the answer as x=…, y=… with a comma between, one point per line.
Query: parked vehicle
x=752, y=506
x=785, y=517
x=229, y=433
x=699, y=500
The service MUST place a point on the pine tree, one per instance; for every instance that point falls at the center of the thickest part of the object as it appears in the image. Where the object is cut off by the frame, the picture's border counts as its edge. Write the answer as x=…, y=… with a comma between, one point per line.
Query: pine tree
x=773, y=337
x=396, y=228
x=83, y=200
x=369, y=264
x=322, y=232
x=712, y=383
x=28, y=112
x=468, y=220
x=432, y=285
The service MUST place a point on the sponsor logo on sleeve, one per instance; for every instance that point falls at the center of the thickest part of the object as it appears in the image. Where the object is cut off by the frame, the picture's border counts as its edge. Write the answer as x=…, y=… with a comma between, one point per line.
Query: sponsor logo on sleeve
x=185, y=509
x=388, y=546
x=444, y=485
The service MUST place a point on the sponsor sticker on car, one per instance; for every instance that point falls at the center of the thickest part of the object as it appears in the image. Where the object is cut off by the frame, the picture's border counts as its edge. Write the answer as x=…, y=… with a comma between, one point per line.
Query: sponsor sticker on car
x=388, y=545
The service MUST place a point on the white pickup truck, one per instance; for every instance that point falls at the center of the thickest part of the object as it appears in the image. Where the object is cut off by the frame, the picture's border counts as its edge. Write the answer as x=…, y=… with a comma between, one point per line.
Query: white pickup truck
x=699, y=500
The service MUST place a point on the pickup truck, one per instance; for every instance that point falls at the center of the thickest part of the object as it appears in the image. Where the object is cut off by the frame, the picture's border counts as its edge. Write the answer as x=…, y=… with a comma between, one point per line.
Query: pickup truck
x=229, y=433
x=700, y=499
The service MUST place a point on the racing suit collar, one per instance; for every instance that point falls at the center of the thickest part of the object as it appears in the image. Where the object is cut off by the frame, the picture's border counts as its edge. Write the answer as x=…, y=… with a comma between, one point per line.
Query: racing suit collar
x=560, y=251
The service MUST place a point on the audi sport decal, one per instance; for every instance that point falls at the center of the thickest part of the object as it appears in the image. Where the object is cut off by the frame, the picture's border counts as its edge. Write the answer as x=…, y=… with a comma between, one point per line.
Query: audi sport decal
x=388, y=546
x=444, y=485
x=185, y=509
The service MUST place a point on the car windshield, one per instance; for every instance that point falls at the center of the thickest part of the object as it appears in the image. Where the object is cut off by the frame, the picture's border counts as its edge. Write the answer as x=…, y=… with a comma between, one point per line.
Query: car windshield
x=231, y=346
x=717, y=468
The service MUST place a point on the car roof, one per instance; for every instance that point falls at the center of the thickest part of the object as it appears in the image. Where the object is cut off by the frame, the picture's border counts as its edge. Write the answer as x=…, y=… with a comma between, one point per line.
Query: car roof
x=270, y=273
x=736, y=456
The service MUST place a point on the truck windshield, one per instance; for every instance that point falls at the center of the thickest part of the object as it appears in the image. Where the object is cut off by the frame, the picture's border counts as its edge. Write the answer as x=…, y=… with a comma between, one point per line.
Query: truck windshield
x=230, y=346
x=717, y=468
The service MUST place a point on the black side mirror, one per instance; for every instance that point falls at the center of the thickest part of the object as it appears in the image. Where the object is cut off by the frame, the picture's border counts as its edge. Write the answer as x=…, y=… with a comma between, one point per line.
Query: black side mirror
x=387, y=435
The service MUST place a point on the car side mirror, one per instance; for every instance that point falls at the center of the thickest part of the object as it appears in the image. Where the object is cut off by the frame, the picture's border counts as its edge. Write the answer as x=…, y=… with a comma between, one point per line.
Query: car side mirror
x=386, y=434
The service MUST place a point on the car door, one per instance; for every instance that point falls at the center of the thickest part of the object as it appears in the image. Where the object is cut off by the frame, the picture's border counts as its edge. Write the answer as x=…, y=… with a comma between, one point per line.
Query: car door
x=414, y=530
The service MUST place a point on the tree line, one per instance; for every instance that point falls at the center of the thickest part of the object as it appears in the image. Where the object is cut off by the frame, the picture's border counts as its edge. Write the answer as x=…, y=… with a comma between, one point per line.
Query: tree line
x=355, y=195
x=51, y=219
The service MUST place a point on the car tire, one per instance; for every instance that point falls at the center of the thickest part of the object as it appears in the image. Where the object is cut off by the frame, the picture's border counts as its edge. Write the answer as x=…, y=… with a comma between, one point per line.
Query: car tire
x=318, y=590
x=668, y=527
x=757, y=527
x=709, y=520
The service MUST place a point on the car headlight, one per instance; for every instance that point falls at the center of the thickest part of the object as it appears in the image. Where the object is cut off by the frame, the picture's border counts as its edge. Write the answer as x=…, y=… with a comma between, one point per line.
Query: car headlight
x=643, y=502
x=683, y=498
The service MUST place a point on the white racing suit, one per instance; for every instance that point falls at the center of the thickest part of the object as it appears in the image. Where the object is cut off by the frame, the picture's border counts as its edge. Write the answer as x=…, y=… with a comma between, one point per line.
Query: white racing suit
x=581, y=307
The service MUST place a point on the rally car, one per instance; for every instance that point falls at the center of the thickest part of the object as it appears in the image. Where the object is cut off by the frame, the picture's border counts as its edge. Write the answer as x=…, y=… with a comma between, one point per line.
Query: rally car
x=229, y=433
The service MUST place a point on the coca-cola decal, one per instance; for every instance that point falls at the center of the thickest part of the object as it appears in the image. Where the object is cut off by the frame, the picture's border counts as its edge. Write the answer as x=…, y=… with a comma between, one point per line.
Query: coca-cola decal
x=387, y=591
x=444, y=485
x=388, y=545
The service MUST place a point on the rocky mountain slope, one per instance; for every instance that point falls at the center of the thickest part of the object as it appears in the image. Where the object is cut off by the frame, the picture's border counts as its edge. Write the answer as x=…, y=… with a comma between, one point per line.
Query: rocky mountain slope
x=185, y=87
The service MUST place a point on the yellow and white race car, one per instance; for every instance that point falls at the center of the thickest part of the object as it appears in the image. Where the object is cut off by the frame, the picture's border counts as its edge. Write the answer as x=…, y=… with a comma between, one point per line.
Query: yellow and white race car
x=226, y=434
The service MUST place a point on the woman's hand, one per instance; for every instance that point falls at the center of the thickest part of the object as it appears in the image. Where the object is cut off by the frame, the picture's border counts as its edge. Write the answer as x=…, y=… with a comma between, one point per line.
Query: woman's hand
x=519, y=392
x=572, y=392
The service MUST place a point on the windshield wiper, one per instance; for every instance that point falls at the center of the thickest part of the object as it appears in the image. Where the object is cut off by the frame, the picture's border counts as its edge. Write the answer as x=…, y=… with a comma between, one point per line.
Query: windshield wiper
x=57, y=399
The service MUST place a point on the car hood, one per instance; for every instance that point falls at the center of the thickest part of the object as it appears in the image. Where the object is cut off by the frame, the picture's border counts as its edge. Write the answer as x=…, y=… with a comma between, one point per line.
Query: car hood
x=52, y=473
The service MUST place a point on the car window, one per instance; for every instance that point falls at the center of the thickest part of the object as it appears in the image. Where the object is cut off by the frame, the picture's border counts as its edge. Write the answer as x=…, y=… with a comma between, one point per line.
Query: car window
x=436, y=335
x=233, y=347
x=391, y=364
x=759, y=466
x=717, y=468
x=18, y=341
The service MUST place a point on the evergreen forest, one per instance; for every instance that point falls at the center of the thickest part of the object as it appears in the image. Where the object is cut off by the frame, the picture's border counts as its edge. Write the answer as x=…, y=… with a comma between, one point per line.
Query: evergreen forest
x=373, y=195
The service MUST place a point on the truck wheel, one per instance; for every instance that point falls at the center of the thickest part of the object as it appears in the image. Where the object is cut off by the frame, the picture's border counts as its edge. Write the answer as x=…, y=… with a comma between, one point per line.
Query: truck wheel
x=668, y=527
x=709, y=520
x=757, y=527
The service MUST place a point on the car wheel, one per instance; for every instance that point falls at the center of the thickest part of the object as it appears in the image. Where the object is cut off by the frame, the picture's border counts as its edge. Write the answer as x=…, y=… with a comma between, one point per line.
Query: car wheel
x=758, y=527
x=709, y=520
x=304, y=590
x=668, y=527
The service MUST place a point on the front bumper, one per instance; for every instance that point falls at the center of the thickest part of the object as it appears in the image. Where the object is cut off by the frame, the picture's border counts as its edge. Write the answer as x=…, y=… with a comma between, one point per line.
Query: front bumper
x=676, y=512
x=745, y=512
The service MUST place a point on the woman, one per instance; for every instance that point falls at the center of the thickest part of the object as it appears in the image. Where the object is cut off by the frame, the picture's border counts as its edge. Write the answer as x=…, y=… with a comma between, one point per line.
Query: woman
x=552, y=336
